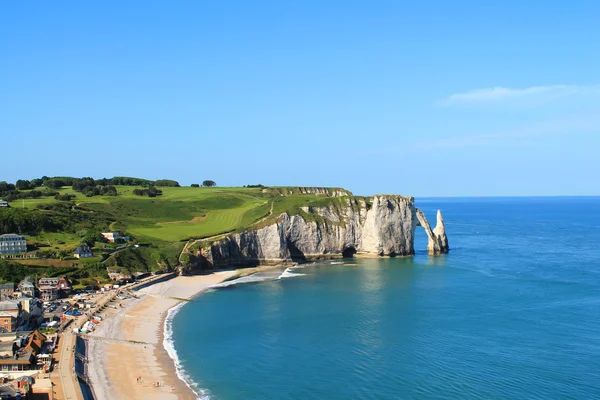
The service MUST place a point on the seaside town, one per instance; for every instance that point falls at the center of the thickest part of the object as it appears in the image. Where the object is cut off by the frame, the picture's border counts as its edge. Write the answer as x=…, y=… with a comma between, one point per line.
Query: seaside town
x=44, y=321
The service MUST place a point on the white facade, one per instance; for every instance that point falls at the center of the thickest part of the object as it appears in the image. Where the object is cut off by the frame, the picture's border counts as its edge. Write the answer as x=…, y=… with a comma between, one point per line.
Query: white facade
x=12, y=244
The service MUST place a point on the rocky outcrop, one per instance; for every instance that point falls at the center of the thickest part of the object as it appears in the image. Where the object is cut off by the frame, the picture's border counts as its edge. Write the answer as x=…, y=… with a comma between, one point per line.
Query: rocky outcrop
x=319, y=191
x=438, y=241
x=383, y=226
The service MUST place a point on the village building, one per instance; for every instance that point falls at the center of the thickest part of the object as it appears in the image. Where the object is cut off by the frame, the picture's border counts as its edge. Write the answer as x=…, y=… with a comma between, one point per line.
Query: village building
x=7, y=291
x=27, y=287
x=11, y=244
x=48, y=292
x=4, y=204
x=64, y=287
x=54, y=288
x=21, y=353
x=9, y=314
x=115, y=237
x=8, y=321
x=83, y=251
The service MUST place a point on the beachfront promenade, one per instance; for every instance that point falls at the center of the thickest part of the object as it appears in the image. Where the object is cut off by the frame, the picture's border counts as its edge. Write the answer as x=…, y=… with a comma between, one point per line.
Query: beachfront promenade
x=68, y=378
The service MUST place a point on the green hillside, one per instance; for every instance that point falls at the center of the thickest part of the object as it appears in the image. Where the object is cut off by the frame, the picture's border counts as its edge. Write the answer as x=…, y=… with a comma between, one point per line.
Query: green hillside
x=161, y=225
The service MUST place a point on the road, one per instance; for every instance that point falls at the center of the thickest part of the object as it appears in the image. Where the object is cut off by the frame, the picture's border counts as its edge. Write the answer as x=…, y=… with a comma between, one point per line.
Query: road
x=68, y=380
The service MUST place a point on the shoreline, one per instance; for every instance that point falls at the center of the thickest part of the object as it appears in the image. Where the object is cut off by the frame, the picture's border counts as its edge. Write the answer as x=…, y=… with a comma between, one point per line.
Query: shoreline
x=134, y=333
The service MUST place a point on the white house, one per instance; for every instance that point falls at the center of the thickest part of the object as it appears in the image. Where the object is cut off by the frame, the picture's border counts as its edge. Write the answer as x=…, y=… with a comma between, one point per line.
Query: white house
x=12, y=244
x=115, y=237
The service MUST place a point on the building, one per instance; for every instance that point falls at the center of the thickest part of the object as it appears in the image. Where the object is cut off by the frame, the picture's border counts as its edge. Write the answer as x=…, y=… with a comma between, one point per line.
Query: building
x=9, y=314
x=4, y=204
x=22, y=354
x=12, y=244
x=83, y=251
x=8, y=320
x=48, y=292
x=53, y=288
x=27, y=287
x=64, y=287
x=115, y=237
x=7, y=291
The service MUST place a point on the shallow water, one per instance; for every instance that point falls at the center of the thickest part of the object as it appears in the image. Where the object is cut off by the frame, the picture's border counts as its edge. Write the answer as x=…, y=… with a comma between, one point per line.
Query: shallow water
x=511, y=312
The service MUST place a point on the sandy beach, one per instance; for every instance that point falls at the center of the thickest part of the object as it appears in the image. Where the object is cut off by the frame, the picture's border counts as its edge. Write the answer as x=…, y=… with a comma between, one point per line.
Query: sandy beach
x=126, y=353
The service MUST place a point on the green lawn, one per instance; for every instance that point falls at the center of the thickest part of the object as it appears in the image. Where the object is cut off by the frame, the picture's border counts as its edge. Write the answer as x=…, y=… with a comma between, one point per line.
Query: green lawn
x=181, y=213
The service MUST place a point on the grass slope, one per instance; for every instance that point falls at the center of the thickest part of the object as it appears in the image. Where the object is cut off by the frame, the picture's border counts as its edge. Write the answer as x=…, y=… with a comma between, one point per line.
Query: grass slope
x=180, y=214
x=184, y=213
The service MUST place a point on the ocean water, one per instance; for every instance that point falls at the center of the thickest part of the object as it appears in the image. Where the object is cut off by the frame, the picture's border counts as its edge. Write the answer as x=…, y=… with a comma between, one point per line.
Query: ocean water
x=513, y=312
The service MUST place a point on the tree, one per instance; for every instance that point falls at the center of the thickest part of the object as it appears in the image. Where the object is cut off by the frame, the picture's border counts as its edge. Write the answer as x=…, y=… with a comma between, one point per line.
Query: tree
x=195, y=185
x=23, y=185
x=208, y=183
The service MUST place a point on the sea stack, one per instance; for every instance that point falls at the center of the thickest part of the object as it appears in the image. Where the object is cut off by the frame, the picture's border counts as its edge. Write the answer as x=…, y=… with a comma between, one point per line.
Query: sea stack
x=438, y=241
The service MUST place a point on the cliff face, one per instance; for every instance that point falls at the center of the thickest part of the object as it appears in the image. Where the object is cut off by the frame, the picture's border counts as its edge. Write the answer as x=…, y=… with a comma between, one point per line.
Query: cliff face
x=384, y=228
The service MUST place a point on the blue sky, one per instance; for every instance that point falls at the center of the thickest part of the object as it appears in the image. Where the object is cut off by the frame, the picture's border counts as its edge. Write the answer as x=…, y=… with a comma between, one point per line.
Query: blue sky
x=429, y=98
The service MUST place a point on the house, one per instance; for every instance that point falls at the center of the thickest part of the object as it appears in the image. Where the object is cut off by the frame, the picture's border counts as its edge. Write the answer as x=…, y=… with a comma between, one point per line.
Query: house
x=8, y=320
x=83, y=251
x=53, y=288
x=12, y=244
x=64, y=286
x=27, y=287
x=48, y=292
x=7, y=291
x=24, y=353
x=4, y=204
x=9, y=314
x=115, y=237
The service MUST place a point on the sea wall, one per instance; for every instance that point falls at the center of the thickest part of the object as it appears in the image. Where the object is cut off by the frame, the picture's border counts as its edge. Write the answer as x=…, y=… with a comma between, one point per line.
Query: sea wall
x=384, y=226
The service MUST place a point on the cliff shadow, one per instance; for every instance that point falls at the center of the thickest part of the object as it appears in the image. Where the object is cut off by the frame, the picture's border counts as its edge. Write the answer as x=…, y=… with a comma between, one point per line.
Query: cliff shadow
x=295, y=253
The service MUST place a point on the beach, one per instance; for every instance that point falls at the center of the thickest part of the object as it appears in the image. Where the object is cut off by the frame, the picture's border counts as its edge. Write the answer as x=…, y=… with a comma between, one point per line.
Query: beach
x=127, y=358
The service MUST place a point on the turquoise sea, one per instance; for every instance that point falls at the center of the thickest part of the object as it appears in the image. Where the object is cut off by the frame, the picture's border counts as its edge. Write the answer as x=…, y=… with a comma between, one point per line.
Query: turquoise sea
x=513, y=312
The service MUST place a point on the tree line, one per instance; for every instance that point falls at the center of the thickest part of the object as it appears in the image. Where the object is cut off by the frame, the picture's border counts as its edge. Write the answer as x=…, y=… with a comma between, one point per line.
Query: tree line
x=55, y=217
x=47, y=186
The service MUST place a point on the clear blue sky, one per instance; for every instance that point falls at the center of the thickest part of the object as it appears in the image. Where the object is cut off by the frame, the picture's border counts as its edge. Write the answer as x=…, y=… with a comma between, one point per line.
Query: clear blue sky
x=428, y=98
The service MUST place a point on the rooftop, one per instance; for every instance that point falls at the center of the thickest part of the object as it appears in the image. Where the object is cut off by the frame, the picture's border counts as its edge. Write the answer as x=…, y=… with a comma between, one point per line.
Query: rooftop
x=13, y=314
x=11, y=236
x=5, y=286
x=9, y=305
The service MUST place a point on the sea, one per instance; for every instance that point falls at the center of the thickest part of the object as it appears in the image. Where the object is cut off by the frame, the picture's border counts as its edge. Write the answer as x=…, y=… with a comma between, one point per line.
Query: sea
x=512, y=312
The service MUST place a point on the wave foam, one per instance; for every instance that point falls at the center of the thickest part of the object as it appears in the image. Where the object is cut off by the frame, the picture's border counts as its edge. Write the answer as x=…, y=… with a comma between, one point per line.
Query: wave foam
x=245, y=279
x=169, y=345
x=336, y=262
x=289, y=274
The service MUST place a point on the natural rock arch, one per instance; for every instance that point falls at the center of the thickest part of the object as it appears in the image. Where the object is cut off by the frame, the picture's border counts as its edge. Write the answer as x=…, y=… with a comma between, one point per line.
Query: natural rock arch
x=437, y=240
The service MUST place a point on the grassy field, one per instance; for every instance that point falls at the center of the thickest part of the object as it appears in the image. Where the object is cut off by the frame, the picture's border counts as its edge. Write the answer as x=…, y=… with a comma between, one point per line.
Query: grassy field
x=181, y=213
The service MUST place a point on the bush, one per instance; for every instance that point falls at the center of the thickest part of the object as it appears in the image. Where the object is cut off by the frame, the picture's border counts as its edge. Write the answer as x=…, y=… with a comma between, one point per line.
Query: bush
x=195, y=185
x=64, y=197
x=150, y=192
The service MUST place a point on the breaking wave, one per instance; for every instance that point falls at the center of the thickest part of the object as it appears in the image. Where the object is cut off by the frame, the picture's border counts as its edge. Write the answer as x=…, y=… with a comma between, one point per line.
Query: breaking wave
x=289, y=274
x=169, y=345
x=245, y=279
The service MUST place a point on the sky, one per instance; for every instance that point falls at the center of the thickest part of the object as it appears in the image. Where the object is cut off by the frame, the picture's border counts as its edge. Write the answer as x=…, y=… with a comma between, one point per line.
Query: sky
x=427, y=98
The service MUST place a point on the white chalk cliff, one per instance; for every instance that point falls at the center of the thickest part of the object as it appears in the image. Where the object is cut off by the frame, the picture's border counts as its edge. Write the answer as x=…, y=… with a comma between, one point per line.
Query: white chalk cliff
x=384, y=226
